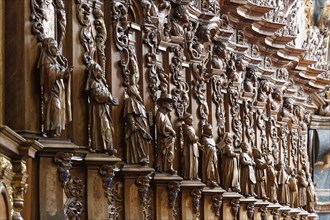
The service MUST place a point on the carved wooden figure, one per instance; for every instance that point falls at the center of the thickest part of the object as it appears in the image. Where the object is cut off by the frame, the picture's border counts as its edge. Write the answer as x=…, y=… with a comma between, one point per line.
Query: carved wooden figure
x=55, y=81
x=271, y=180
x=229, y=162
x=190, y=149
x=219, y=56
x=248, y=178
x=137, y=134
x=311, y=197
x=101, y=127
x=283, y=179
x=302, y=185
x=165, y=135
x=293, y=187
x=260, y=168
x=210, y=158
x=179, y=21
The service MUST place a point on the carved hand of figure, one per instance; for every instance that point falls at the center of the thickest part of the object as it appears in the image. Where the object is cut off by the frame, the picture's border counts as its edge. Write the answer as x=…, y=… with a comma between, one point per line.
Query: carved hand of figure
x=200, y=147
x=68, y=71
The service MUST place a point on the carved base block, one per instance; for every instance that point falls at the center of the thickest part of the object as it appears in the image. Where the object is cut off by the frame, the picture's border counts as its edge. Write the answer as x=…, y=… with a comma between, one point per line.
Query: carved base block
x=273, y=211
x=212, y=202
x=230, y=206
x=135, y=206
x=51, y=192
x=261, y=210
x=191, y=199
x=97, y=200
x=246, y=210
x=167, y=196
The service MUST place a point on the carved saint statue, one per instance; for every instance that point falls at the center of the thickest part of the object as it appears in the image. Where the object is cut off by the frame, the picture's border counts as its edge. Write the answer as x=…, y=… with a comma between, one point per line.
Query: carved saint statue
x=55, y=81
x=302, y=185
x=219, y=56
x=210, y=158
x=283, y=189
x=293, y=187
x=250, y=81
x=260, y=168
x=229, y=162
x=287, y=110
x=180, y=20
x=271, y=180
x=190, y=149
x=101, y=128
x=248, y=178
x=311, y=197
x=263, y=91
x=166, y=136
x=137, y=134
x=276, y=99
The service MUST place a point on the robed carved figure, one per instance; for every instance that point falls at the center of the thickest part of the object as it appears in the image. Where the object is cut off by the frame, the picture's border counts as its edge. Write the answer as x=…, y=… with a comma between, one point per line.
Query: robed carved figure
x=283, y=180
x=229, y=162
x=190, y=149
x=248, y=178
x=260, y=173
x=55, y=81
x=137, y=134
x=210, y=158
x=302, y=185
x=101, y=128
x=165, y=135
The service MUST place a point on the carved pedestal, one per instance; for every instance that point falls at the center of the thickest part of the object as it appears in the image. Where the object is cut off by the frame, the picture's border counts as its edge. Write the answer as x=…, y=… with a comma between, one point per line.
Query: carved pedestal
x=246, y=210
x=212, y=203
x=273, y=211
x=231, y=205
x=260, y=210
x=137, y=194
x=53, y=176
x=284, y=213
x=100, y=180
x=191, y=199
x=167, y=196
x=294, y=214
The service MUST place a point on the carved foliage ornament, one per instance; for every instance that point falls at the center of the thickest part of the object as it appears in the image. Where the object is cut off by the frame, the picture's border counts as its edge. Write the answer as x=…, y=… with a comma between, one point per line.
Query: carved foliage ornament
x=120, y=24
x=196, y=195
x=235, y=113
x=173, y=193
x=217, y=203
x=112, y=191
x=42, y=14
x=143, y=184
x=219, y=83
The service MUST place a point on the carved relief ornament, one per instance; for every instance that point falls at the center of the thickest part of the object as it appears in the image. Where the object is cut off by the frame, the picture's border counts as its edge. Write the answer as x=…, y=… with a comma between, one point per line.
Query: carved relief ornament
x=143, y=184
x=173, y=193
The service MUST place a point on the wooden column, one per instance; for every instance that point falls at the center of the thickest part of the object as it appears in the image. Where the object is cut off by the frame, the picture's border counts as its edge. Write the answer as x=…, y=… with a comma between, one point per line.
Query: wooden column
x=22, y=82
x=2, y=62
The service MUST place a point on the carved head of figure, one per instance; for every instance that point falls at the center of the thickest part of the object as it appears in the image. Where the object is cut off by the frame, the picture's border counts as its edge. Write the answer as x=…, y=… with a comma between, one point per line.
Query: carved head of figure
x=256, y=153
x=239, y=65
x=244, y=146
x=166, y=102
x=188, y=119
x=264, y=90
x=51, y=46
x=228, y=138
x=203, y=33
x=288, y=104
x=96, y=71
x=207, y=130
x=302, y=173
x=180, y=13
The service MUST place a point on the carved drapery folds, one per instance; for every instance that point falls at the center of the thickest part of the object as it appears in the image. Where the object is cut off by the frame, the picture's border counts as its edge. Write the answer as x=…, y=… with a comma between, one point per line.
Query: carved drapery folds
x=112, y=191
